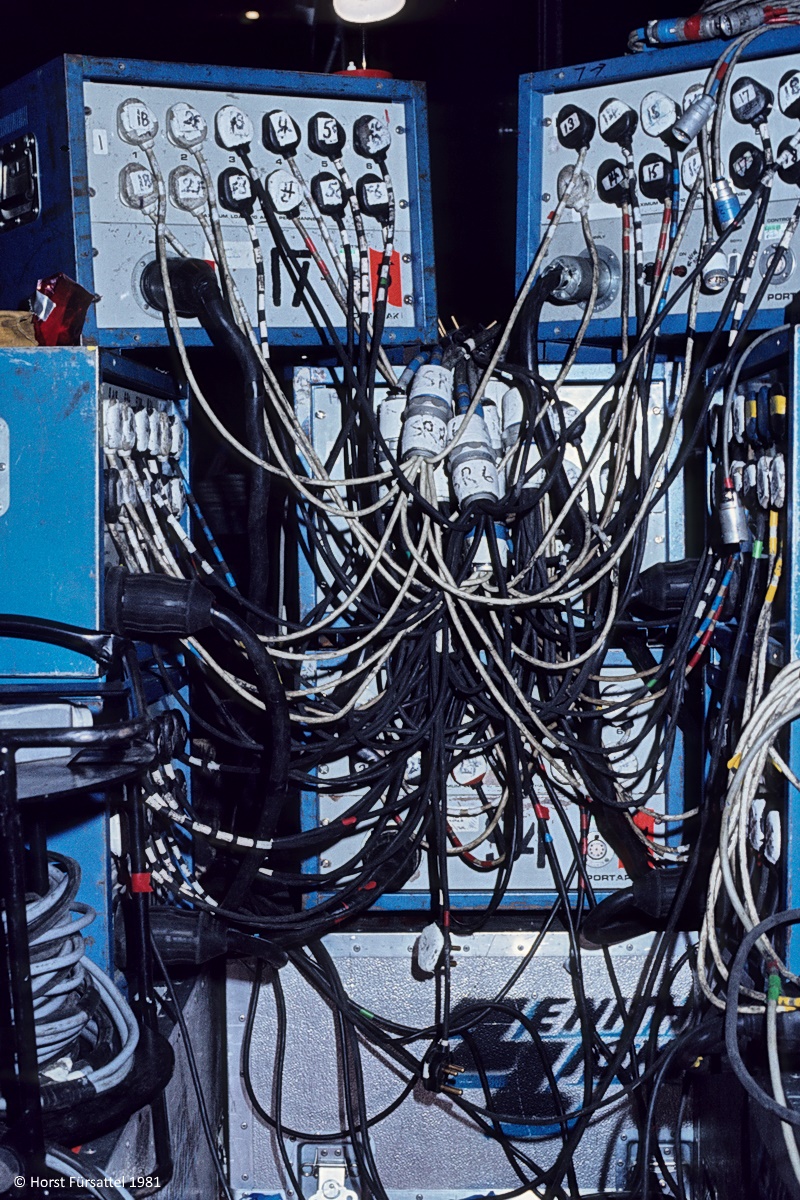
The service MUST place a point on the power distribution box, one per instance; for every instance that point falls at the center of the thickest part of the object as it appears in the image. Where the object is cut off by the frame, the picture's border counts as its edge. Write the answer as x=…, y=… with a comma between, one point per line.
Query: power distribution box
x=656, y=88
x=69, y=418
x=474, y=790
x=75, y=197
x=58, y=474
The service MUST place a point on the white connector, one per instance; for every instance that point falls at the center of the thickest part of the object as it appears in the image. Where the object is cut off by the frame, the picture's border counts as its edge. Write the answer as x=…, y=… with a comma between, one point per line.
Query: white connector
x=429, y=407
x=473, y=469
x=755, y=823
x=772, y=836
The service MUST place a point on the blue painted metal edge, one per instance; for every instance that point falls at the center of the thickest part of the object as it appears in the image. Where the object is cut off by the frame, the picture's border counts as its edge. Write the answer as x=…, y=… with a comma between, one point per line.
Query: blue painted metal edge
x=423, y=266
x=608, y=328
x=52, y=366
x=79, y=170
x=529, y=168
x=528, y=902
x=665, y=61
x=131, y=373
x=249, y=79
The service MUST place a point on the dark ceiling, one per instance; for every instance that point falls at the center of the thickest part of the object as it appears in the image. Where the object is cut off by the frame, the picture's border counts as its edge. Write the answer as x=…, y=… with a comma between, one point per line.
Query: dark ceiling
x=470, y=54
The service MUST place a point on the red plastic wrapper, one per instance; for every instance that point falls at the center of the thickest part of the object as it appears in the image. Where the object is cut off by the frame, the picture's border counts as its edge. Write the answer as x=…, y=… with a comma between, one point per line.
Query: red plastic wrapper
x=59, y=307
x=365, y=73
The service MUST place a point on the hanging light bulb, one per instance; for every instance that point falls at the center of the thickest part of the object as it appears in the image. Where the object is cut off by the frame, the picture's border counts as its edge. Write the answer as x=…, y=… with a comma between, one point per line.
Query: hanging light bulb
x=364, y=12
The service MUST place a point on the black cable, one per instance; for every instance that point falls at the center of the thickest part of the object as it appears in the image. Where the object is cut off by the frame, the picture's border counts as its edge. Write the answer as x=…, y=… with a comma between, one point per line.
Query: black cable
x=277, y=741
x=280, y=1052
x=195, y=1074
x=790, y=916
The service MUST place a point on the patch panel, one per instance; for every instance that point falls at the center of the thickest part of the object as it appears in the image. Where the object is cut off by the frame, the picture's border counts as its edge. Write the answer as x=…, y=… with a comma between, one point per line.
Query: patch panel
x=94, y=442
x=600, y=98
x=333, y=158
x=476, y=794
x=120, y=438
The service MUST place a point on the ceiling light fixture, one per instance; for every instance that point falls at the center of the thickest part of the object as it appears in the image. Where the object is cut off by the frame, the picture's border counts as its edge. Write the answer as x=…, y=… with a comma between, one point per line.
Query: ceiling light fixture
x=252, y=14
x=365, y=12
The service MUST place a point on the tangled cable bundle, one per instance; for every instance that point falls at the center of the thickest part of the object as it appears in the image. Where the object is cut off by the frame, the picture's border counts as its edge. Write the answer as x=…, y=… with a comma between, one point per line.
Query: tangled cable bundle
x=85, y=1030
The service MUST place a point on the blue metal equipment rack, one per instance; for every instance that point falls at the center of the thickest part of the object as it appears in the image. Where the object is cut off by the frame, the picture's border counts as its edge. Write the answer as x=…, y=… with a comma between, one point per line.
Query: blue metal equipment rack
x=61, y=122
x=52, y=558
x=541, y=157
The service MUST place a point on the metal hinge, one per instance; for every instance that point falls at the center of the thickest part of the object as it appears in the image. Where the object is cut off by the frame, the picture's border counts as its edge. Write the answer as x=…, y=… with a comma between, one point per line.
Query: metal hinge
x=331, y=1182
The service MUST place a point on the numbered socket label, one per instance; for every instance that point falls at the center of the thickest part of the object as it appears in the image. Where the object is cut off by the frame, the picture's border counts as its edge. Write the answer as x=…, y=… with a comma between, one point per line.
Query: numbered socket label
x=750, y=101
x=574, y=127
x=136, y=122
x=658, y=113
x=235, y=191
x=280, y=133
x=612, y=182
x=328, y=194
x=789, y=94
x=747, y=165
x=475, y=478
x=371, y=137
x=580, y=191
x=655, y=177
x=691, y=167
x=326, y=136
x=470, y=771
x=233, y=127
x=617, y=121
x=572, y=472
x=691, y=95
x=424, y=434
x=186, y=127
x=788, y=160
x=137, y=187
x=432, y=380
x=187, y=189
x=373, y=197
x=284, y=192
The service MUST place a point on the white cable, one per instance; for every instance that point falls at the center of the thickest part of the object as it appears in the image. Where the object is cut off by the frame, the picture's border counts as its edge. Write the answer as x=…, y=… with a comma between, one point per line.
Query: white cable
x=84, y=1175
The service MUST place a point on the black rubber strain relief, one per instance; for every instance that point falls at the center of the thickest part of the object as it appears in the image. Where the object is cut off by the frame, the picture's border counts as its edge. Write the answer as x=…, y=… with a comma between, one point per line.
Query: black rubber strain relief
x=153, y=605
